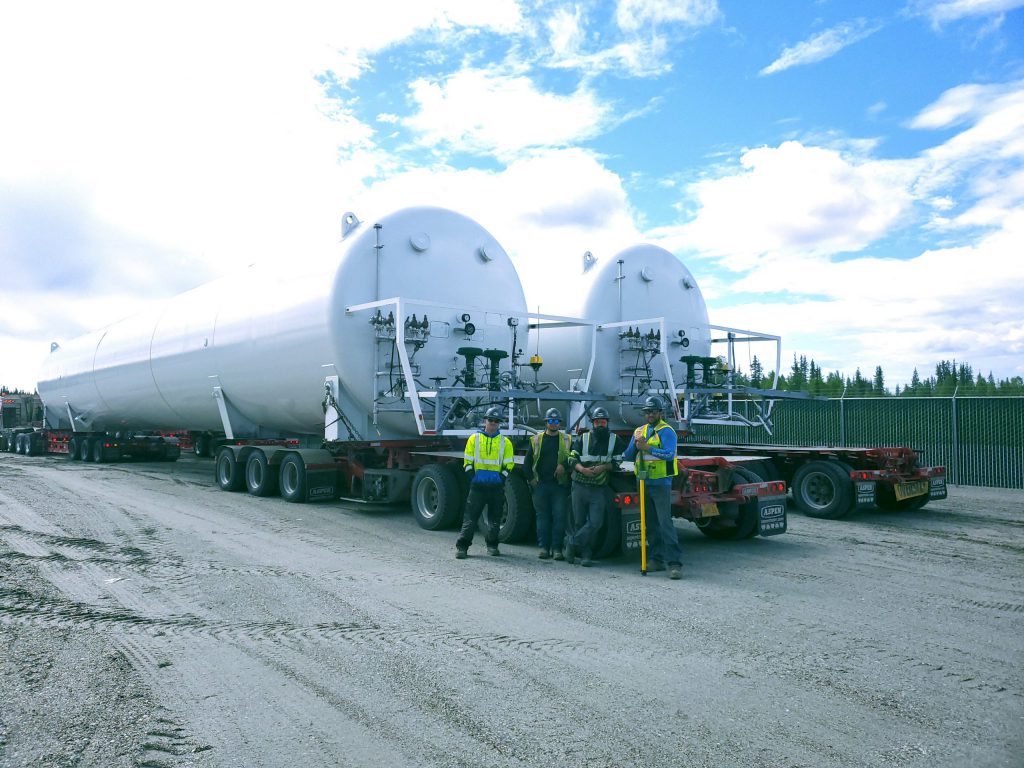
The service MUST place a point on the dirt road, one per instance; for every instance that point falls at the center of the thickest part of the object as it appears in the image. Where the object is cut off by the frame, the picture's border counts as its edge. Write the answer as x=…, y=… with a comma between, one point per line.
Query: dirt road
x=149, y=619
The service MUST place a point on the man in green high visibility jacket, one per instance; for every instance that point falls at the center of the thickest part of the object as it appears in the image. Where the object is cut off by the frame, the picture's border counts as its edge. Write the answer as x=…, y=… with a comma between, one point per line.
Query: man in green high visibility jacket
x=488, y=461
x=654, y=447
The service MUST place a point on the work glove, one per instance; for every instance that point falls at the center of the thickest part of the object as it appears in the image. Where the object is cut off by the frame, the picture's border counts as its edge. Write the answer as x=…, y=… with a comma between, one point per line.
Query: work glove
x=470, y=472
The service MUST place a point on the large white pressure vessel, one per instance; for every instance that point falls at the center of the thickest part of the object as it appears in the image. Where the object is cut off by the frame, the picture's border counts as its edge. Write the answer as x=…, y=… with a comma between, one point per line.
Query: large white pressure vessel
x=640, y=283
x=270, y=335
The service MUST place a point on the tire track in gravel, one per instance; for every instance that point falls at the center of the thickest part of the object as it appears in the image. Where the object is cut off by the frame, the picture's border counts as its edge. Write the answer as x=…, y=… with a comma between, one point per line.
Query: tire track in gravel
x=19, y=605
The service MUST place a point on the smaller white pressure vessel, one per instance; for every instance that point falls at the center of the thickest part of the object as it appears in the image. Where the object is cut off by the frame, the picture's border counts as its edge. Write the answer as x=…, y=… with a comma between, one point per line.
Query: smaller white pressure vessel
x=641, y=283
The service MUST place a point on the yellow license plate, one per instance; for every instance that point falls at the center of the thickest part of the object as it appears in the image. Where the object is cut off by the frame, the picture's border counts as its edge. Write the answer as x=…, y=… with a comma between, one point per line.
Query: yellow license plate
x=709, y=510
x=910, y=490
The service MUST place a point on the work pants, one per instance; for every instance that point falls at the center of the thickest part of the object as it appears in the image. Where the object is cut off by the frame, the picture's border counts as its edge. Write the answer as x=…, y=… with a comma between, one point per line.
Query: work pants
x=661, y=530
x=549, y=503
x=491, y=496
x=589, y=510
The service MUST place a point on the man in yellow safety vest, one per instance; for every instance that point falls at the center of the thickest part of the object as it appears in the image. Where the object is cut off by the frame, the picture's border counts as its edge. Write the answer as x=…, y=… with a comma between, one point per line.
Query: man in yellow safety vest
x=488, y=461
x=654, y=447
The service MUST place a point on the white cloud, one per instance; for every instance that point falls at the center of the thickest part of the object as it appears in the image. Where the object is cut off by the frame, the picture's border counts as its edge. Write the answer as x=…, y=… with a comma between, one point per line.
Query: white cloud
x=821, y=46
x=794, y=199
x=634, y=14
x=940, y=11
x=490, y=112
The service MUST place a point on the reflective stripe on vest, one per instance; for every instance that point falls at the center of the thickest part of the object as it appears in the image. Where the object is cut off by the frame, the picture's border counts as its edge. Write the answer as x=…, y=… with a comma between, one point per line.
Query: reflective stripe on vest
x=587, y=456
x=657, y=468
x=481, y=463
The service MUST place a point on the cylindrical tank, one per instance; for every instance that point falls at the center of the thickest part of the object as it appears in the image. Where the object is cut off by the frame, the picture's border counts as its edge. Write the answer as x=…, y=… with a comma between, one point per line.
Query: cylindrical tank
x=639, y=283
x=270, y=335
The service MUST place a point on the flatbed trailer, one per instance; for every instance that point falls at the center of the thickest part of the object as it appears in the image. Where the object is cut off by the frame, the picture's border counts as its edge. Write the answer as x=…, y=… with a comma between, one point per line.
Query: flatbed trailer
x=97, y=447
x=830, y=482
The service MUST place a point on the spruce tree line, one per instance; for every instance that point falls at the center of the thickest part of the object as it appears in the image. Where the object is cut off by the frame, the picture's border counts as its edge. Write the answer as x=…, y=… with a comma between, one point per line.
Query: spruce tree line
x=949, y=377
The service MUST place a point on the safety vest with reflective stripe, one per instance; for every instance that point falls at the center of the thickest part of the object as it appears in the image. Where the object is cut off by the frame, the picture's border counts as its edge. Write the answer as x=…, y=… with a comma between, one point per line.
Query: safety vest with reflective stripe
x=656, y=468
x=488, y=456
x=564, y=442
x=589, y=459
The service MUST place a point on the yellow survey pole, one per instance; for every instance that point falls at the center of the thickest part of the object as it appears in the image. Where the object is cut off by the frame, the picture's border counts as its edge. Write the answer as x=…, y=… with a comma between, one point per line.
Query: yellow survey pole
x=641, y=473
x=643, y=531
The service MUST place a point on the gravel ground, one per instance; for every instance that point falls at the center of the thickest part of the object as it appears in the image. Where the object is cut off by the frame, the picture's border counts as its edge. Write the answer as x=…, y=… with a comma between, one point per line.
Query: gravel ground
x=149, y=619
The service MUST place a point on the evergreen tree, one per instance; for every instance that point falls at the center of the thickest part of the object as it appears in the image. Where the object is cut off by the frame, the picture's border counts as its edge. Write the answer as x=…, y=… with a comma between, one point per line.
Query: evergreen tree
x=756, y=373
x=879, y=382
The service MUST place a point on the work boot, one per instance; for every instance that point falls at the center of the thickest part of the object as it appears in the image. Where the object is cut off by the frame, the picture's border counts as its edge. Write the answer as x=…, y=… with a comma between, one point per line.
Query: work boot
x=676, y=572
x=570, y=554
x=544, y=555
x=655, y=565
x=461, y=554
x=493, y=551
x=587, y=559
x=558, y=555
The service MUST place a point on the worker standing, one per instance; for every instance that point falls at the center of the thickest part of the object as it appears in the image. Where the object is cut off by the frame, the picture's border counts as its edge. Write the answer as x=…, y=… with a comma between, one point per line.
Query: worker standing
x=654, y=447
x=592, y=459
x=488, y=461
x=547, y=469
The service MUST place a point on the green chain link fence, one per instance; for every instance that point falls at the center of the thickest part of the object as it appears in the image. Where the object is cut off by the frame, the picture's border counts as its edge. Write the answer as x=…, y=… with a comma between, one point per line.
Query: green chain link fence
x=980, y=440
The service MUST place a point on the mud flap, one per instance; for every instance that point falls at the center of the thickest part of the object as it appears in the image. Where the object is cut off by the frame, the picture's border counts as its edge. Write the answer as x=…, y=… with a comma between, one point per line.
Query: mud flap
x=771, y=515
x=322, y=482
x=864, y=494
x=937, y=487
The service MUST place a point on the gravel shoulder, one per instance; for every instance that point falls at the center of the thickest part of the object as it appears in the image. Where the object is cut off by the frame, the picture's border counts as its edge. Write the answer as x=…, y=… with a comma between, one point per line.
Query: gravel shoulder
x=149, y=619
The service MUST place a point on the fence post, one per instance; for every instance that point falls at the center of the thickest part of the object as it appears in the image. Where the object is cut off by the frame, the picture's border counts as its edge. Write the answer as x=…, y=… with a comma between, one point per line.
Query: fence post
x=842, y=419
x=956, y=441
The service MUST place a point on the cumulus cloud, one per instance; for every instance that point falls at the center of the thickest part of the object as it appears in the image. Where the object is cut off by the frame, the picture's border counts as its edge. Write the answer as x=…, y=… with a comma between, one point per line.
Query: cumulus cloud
x=821, y=46
x=794, y=199
x=493, y=112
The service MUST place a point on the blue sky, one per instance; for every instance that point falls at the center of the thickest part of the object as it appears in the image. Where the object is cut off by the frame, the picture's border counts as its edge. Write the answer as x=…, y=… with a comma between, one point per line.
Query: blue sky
x=847, y=175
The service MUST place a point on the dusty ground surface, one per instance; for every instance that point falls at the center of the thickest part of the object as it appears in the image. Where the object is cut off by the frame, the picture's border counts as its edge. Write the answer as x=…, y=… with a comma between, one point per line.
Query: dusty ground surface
x=149, y=619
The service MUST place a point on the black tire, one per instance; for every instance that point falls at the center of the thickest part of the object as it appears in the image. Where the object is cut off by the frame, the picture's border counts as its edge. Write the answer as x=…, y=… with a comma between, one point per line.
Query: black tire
x=823, y=489
x=85, y=449
x=171, y=452
x=228, y=474
x=260, y=478
x=885, y=498
x=73, y=449
x=97, y=451
x=609, y=537
x=744, y=524
x=19, y=444
x=517, y=518
x=292, y=479
x=436, y=497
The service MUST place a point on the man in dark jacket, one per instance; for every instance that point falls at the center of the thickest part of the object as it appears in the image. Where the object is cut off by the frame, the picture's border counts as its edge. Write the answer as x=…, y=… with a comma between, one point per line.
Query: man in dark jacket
x=592, y=459
x=547, y=469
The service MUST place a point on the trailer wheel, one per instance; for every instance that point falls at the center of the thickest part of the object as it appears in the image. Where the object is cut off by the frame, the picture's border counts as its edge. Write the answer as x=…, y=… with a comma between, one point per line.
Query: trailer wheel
x=517, y=514
x=885, y=498
x=73, y=449
x=229, y=476
x=436, y=497
x=97, y=451
x=292, y=478
x=610, y=536
x=201, y=446
x=85, y=449
x=260, y=479
x=17, y=444
x=823, y=489
x=744, y=524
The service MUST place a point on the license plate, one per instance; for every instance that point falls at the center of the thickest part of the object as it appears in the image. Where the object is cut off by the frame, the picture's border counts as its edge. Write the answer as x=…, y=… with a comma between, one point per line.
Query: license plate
x=910, y=490
x=710, y=509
